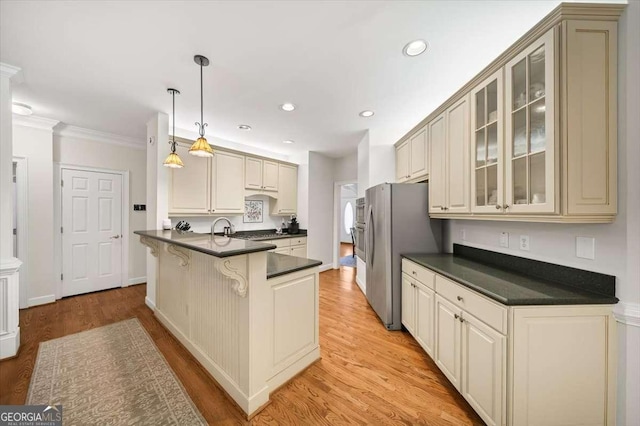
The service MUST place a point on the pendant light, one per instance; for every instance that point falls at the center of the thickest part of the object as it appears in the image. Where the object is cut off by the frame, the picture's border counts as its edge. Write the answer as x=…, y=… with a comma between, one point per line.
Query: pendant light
x=201, y=147
x=173, y=160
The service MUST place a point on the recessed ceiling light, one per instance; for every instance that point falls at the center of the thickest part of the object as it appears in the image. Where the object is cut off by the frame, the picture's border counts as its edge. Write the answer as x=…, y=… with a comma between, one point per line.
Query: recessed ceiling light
x=21, y=109
x=288, y=142
x=244, y=127
x=366, y=113
x=287, y=107
x=415, y=48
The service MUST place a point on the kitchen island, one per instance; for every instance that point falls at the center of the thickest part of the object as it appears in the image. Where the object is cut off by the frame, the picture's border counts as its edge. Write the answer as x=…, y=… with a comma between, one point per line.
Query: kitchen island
x=248, y=316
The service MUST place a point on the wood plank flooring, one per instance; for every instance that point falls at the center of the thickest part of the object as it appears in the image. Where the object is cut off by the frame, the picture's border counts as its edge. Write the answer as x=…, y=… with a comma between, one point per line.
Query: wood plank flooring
x=367, y=375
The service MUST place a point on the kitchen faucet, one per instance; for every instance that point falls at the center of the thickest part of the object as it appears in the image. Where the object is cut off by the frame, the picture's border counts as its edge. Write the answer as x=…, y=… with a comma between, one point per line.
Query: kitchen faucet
x=231, y=227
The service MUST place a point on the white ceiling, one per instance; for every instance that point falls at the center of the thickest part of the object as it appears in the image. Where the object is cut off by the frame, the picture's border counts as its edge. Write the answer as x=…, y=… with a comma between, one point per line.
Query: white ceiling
x=106, y=65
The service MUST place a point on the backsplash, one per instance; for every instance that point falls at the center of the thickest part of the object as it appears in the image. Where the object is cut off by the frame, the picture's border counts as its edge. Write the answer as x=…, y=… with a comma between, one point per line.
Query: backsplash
x=203, y=224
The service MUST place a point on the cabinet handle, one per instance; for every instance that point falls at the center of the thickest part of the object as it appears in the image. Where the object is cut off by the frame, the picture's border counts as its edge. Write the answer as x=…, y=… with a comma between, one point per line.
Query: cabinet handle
x=498, y=206
x=506, y=206
x=459, y=298
x=456, y=316
x=461, y=319
x=413, y=272
x=445, y=208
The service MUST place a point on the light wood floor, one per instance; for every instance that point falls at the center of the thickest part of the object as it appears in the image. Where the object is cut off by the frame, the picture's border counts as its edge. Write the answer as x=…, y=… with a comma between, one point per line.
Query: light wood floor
x=346, y=249
x=367, y=375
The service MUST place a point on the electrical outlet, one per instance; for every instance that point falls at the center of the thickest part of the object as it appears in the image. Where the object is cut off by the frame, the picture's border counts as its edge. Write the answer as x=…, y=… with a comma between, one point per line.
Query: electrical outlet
x=524, y=242
x=463, y=234
x=504, y=239
x=586, y=247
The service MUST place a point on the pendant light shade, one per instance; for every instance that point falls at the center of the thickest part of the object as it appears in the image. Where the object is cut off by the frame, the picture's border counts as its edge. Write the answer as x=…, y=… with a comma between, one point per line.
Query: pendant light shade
x=201, y=147
x=173, y=160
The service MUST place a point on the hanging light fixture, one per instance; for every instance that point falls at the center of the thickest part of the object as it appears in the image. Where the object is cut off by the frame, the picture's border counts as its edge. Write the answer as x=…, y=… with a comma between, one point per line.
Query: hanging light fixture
x=173, y=160
x=201, y=147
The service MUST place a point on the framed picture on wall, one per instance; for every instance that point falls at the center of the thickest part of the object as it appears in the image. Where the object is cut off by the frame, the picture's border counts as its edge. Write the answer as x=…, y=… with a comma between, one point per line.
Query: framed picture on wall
x=252, y=211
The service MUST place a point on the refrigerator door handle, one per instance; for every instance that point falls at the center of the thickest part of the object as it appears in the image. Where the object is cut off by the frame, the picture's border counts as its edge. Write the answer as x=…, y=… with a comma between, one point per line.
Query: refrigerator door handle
x=371, y=237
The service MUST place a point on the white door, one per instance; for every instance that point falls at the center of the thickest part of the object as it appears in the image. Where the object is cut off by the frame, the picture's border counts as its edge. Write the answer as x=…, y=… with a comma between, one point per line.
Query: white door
x=402, y=162
x=228, y=183
x=253, y=173
x=418, y=154
x=270, y=176
x=91, y=231
x=437, y=169
x=408, y=304
x=457, y=182
x=348, y=211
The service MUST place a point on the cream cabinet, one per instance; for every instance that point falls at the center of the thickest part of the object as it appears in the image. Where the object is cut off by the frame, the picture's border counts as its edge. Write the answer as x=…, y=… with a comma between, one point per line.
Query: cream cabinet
x=190, y=186
x=287, y=201
x=418, y=304
x=516, y=365
x=290, y=246
x=227, y=189
x=530, y=143
x=261, y=174
x=487, y=138
x=449, y=144
x=542, y=130
x=411, y=158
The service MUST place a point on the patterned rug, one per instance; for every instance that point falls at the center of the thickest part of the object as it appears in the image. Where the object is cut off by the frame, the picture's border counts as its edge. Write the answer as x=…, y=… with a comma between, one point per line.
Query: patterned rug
x=348, y=261
x=110, y=375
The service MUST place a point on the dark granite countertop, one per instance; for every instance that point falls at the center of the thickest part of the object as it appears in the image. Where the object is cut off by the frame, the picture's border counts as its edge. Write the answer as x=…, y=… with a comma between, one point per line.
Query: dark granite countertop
x=282, y=264
x=218, y=246
x=266, y=235
x=507, y=287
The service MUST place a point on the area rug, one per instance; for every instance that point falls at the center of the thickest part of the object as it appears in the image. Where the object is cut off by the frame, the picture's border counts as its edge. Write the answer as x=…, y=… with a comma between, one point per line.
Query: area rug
x=110, y=375
x=348, y=261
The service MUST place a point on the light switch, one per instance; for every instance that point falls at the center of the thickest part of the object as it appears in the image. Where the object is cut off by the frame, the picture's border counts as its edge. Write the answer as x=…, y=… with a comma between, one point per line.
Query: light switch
x=524, y=242
x=586, y=247
x=504, y=239
x=463, y=234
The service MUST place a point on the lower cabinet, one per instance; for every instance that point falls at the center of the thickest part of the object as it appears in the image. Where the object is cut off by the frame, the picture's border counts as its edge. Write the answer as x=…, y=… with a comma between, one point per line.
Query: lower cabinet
x=290, y=246
x=515, y=365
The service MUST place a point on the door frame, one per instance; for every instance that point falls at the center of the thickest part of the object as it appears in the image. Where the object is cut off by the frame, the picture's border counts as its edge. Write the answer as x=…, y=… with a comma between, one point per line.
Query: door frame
x=22, y=210
x=57, y=220
x=336, y=219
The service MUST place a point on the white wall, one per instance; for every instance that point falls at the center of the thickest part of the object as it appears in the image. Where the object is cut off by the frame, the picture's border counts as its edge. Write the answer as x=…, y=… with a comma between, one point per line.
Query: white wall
x=85, y=152
x=376, y=161
x=346, y=168
x=36, y=145
x=320, y=241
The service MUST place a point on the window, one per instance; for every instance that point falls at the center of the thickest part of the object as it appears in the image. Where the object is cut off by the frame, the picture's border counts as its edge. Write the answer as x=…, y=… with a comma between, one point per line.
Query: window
x=348, y=217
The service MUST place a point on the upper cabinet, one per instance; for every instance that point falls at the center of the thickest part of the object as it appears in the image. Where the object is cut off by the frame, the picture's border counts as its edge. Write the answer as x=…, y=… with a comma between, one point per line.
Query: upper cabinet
x=227, y=188
x=411, y=158
x=533, y=137
x=449, y=143
x=190, y=186
x=218, y=185
x=530, y=147
x=261, y=175
x=287, y=201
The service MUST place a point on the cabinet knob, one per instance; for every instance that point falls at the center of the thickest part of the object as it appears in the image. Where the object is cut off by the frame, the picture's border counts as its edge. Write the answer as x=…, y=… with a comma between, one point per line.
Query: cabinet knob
x=498, y=206
x=506, y=206
x=413, y=272
x=456, y=316
x=445, y=208
x=459, y=298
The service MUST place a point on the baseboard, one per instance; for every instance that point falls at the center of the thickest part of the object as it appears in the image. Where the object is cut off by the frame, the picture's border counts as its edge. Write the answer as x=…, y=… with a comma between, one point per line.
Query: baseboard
x=323, y=268
x=150, y=304
x=42, y=300
x=9, y=344
x=627, y=313
x=138, y=280
x=360, y=285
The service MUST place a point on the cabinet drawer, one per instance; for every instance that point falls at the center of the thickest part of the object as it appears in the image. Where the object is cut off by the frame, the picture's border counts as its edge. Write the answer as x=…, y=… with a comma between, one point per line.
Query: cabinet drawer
x=491, y=313
x=283, y=242
x=419, y=273
x=298, y=241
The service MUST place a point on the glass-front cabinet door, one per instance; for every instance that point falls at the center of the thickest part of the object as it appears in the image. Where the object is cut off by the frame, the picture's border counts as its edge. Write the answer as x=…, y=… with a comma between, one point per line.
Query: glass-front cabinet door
x=529, y=159
x=487, y=145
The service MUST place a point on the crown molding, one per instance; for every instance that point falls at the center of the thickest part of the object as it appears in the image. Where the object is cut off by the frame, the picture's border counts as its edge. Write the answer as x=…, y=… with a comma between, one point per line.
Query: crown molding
x=65, y=130
x=10, y=71
x=34, y=122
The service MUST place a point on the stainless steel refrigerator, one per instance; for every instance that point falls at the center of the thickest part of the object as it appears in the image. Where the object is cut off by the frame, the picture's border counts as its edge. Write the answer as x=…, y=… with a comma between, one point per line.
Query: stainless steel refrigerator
x=397, y=222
